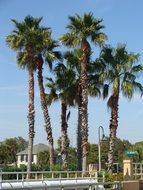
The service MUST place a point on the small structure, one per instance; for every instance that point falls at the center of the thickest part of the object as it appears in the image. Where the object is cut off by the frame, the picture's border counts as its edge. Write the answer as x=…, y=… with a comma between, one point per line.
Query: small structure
x=128, y=169
x=92, y=168
x=22, y=157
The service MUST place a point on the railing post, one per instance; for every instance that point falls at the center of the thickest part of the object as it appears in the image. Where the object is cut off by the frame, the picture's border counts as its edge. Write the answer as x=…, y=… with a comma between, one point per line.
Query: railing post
x=67, y=174
x=96, y=176
x=103, y=175
x=52, y=175
x=17, y=176
x=22, y=176
x=36, y=177
x=0, y=179
x=42, y=176
x=141, y=170
x=76, y=175
x=82, y=174
x=118, y=186
x=60, y=175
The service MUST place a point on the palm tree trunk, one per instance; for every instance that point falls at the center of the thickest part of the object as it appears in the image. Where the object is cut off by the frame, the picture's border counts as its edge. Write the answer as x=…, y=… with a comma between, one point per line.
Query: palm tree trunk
x=64, y=136
x=113, y=131
x=31, y=120
x=79, y=140
x=45, y=113
x=84, y=92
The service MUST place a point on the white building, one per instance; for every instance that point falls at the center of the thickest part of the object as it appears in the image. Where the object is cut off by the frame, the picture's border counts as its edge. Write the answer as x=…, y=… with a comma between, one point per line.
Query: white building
x=22, y=157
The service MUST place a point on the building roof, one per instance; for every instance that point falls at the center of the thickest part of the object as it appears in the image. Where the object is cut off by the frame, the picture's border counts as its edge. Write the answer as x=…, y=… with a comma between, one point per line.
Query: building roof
x=36, y=149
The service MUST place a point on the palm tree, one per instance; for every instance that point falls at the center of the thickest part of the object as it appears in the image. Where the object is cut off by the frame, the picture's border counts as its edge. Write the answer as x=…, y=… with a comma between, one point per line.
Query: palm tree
x=93, y=70
x=23, y=39
x=73, y=61
x=81, y=30
x=48, y=54
x=121, y=72
x=34, y=43
x=63, y=88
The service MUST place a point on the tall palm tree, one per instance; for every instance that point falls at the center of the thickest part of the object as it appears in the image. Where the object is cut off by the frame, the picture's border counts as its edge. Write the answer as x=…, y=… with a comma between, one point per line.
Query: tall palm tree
x=81, y=30
x=34, y=43
x=23, y=39
x=93, y=70
x=73, y=61
x=48, y=54
x=121, y=72
x=63, y=88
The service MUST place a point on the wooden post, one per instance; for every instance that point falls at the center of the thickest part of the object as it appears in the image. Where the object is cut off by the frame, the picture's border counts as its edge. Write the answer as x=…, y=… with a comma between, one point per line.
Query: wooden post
x=128, y=169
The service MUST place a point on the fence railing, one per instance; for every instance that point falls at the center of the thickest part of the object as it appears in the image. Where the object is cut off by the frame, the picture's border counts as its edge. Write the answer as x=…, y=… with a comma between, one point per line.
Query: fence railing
x=56, y=180
x=42, y=175
x=138, y=170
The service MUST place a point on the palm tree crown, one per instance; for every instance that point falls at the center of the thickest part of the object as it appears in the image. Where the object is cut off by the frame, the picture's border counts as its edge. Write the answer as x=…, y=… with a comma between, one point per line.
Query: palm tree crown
x=34, y=45
x=81, y=27
x=121, y=72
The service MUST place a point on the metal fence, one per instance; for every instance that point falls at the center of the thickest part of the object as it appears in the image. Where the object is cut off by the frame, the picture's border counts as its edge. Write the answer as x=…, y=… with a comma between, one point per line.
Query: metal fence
x=42, y=175
x=138, y=170
x=56, y=180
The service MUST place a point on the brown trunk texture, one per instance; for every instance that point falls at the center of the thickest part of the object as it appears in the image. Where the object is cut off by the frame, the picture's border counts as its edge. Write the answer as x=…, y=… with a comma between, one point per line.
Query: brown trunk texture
x=84, y=95
x=45, y=113
x=64, y=136
x=113, y=130
x=79, y=140
x=31, y=120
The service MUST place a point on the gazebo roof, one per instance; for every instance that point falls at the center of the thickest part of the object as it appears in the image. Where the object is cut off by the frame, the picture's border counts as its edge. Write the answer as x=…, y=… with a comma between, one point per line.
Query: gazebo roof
x=36, y=149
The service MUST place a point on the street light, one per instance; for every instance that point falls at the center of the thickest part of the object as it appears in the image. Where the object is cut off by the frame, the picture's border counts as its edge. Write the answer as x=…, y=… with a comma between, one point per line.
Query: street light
x=99, y=145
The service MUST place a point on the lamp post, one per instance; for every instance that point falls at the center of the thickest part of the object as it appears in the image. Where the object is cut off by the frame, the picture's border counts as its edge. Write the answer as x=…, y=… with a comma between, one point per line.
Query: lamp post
x=99, y=145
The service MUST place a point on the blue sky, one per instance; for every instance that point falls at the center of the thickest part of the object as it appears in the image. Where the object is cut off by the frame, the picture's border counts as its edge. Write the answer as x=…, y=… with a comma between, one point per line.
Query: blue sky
x=123, y=21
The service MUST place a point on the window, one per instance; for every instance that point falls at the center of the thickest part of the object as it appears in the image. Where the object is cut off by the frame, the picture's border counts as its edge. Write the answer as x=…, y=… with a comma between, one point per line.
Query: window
x=27, y=158
x=22, y=158
x=32, y=158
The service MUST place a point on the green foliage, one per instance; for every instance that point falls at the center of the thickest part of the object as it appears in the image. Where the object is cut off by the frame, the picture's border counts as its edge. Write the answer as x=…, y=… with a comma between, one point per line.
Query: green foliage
x=23, y=167
x=10, y=169
x=93, y=154
x=35, y=167
x=63, y=86
x=43, y=159
x=137, y=147
x=72, y=159
x=85, y=26
x=57, y=167
x=121, y=70
x=22, y=143
x=120, y=147
x=9, y=148
x=113, y=177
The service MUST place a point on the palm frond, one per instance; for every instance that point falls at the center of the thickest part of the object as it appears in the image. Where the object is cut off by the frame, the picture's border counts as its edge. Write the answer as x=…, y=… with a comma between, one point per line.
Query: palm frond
x=137, y=68
x=51, y=97
x=68, y=115
x=70, y=40
x=105, y=91
x=138, y=87
x=127, y=89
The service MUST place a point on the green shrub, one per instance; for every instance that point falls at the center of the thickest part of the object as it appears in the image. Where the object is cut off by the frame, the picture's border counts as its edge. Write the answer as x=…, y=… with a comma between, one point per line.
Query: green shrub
x=57, y=167
x=114, y=177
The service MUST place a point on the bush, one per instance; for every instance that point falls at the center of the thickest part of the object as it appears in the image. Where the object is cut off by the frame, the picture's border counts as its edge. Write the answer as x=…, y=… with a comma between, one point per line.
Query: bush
x=57, y=167
x=114, y=177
